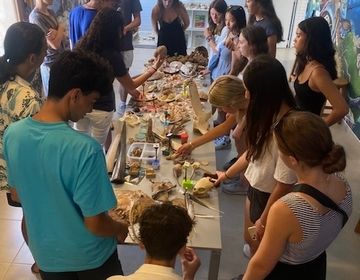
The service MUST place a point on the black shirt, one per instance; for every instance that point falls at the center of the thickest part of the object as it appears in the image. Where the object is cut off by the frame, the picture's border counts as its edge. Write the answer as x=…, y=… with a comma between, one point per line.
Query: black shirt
x=107, y=102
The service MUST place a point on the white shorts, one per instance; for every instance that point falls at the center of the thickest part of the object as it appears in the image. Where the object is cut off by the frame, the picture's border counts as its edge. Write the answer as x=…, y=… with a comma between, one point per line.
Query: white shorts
x=128, y=57
x=96, y=124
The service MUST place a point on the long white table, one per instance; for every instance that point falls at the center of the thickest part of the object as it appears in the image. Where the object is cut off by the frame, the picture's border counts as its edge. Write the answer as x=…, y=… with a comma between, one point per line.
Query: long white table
x=206, y=234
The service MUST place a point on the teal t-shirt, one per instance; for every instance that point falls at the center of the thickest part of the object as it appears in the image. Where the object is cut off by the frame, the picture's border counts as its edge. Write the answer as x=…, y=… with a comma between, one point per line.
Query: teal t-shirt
x=60, y=176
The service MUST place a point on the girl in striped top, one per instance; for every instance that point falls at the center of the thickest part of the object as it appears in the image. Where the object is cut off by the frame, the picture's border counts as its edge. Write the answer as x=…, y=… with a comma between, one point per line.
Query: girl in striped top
x=299, y=228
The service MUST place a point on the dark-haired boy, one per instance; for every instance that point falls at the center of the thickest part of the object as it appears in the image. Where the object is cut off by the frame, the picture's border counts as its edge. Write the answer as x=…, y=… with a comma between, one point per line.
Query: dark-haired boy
x=164, y=230
x=60, y=178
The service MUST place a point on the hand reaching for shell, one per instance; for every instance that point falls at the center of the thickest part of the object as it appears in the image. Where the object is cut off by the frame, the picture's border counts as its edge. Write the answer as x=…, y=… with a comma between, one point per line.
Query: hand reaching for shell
x=221, y=177
x=158, y=62
x=185, y=149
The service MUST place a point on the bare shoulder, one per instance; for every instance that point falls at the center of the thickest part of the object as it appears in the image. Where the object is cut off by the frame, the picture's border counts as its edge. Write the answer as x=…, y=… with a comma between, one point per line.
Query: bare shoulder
x=280, y=211
x=156, y=10
x=181, y=8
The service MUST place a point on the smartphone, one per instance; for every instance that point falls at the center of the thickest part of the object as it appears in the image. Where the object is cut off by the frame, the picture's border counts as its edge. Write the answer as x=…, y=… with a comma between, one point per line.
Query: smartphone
x=252, y=232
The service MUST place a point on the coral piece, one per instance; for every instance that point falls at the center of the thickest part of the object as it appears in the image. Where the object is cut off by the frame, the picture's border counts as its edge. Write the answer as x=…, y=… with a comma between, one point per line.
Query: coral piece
x=130, y=205
x=201, y=118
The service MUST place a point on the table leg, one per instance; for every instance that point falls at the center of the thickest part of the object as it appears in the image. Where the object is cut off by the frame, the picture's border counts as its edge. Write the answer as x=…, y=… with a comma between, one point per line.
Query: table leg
x=214, y=264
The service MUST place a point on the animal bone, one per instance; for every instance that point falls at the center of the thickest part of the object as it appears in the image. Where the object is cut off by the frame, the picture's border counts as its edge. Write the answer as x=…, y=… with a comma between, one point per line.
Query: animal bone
x=203, y=186
x=200, y=121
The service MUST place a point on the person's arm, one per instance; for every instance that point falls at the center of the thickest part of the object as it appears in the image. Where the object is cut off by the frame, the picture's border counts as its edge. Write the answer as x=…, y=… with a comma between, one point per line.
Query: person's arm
x=210, y=39
x=14, y=195
x=184, y=16
x=135, y=23
x=103, y=225
x=190, y=263
x=132, y=83
x=155, y=18
x=281, y=223
x=239, y=166
x=272, y=41
x=217, y=131
x=321, y=81
x=279, y=191
x=238, y=63
x=54, y=37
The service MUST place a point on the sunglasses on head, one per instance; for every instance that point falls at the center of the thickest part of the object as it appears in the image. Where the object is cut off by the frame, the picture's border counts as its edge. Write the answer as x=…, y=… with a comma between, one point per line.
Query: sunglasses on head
x=235, y=8
x=277, y=129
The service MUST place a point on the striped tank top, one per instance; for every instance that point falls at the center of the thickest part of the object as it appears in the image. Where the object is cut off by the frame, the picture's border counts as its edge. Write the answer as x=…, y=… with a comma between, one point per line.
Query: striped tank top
x=319, y=230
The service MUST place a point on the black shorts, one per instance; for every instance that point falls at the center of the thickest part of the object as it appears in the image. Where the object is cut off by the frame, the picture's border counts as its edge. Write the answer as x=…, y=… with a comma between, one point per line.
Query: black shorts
x=315, y=269
x=111, y=267
x=258, y=200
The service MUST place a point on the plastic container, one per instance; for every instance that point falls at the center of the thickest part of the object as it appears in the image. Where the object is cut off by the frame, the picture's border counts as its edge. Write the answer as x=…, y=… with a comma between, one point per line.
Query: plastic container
x=147, y=152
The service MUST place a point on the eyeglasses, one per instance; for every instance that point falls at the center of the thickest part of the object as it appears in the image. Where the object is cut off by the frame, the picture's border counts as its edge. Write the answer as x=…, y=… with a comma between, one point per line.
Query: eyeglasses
x=277, y=128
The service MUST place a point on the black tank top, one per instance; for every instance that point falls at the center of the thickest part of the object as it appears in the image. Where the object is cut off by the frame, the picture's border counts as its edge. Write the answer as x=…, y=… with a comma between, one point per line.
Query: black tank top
x=307, y=99
x=172, y=35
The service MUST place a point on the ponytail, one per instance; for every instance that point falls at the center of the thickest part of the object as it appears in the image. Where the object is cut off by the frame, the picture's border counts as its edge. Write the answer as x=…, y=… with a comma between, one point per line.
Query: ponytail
x=7, y=71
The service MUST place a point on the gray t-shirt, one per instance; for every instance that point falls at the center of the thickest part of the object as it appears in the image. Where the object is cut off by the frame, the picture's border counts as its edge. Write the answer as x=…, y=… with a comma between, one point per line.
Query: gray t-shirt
x=46, y=22
x=128, y=8
x=267, y=25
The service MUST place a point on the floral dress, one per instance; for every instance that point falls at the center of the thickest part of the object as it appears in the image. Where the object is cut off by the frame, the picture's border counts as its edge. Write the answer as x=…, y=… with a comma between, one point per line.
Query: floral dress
x=18, y=100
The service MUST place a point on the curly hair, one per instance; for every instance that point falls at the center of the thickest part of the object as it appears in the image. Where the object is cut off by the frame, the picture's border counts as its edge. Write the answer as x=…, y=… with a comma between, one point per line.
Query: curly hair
x=79, y=69
x=104, y=32
x=318, y=45
x=164, y=229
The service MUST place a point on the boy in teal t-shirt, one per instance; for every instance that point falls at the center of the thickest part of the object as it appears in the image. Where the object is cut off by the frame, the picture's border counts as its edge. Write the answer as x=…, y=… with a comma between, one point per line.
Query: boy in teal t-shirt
x=59, y=176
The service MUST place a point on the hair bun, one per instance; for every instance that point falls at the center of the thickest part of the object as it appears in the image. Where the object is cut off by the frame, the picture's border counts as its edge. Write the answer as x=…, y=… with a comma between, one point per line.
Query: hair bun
x=335, y=160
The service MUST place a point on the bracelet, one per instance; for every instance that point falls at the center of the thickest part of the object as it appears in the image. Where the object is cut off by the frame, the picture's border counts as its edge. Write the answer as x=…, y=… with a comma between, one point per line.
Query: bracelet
x=154, y=68
x=209, y=38
x=191, y=145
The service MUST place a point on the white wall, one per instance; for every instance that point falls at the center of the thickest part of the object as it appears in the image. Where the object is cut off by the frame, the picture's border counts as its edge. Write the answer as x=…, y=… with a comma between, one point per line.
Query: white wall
x=7, y=17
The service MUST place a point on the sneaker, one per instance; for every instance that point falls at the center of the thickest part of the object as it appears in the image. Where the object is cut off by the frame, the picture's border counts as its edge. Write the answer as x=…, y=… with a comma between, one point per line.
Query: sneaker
x=230, y=163
x=222, y=143
x=246, y=251
x=234, y=187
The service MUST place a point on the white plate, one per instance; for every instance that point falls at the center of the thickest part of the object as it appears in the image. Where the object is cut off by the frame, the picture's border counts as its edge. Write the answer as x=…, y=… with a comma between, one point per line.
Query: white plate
x=176, y=64
x=170, y=70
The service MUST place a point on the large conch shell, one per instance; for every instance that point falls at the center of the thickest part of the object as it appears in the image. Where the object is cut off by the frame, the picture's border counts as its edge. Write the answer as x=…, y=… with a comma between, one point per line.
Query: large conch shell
x=203, y=186
x=200, y=121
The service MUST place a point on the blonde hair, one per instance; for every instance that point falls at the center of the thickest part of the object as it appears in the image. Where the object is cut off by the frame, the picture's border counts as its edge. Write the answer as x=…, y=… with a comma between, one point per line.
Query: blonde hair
x=228, y=91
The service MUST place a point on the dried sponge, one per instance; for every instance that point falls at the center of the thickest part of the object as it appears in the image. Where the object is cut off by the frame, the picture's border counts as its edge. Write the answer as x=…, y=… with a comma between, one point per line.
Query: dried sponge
x=161, y=52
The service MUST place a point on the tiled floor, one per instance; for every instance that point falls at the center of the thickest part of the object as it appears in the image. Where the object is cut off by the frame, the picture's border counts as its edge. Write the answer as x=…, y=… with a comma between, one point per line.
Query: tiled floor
x=343, y=255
